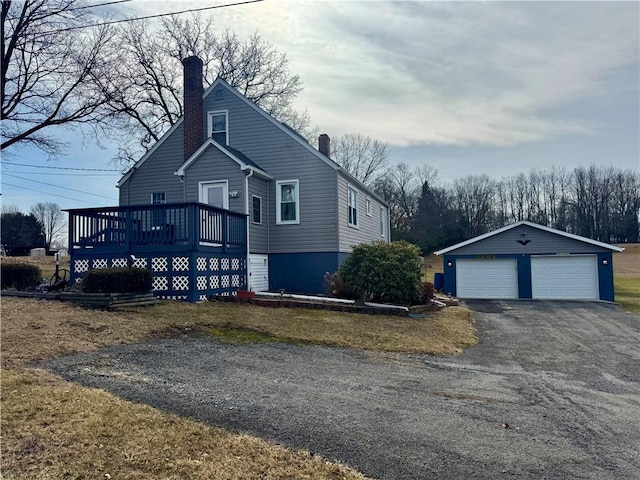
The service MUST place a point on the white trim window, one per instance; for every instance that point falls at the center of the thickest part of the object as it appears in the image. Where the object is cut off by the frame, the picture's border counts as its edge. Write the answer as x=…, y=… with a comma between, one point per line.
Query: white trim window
x=287, y=202
x=256, y=209
x=218, y=125
x=383, y=222
x=158, y=198
x=352, y=207
x=367, y=203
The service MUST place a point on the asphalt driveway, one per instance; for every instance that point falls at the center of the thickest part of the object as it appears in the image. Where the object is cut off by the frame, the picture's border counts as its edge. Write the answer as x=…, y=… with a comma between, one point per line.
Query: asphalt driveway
x=564, y=376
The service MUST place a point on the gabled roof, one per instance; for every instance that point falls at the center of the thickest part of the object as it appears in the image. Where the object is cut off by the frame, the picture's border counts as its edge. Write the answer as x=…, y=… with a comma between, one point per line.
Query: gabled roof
x=241, y=159
x=532, y=225
x=288, y=130
x=295, y=135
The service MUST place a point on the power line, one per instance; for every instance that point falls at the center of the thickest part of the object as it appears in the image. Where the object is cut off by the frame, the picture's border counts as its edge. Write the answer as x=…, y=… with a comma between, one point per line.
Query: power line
x=58, y=186
x=53, y=194
x=84, y=7
x=64, y=168
x=65, y=174
x=154, y=16
x=98, y=5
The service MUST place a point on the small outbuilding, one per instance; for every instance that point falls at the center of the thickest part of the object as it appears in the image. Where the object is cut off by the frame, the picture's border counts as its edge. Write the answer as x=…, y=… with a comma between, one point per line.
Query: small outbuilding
x=529, y=261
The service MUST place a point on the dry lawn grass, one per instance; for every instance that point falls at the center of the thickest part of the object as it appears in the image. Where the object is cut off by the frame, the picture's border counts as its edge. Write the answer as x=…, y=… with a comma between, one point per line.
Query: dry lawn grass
x=626, y=270
x=56, y=429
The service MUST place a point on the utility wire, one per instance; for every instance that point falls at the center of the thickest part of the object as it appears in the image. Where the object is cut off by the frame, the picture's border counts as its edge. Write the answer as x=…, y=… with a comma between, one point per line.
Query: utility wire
x=153, y=16
x=64, y=168
x=58, y=186
x=84, y=7
x=100, y=175
x=98, y=5
x=40, y=191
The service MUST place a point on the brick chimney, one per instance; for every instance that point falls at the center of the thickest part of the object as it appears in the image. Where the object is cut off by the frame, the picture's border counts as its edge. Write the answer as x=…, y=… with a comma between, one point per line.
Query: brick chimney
x=324, y=145
x=193, y=108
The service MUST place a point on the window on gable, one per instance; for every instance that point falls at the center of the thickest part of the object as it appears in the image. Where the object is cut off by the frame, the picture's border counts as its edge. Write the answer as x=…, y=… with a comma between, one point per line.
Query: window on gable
x=353, y=207
x=256, y=215
x=287, y=202
x=367, y=203
x=219, y=127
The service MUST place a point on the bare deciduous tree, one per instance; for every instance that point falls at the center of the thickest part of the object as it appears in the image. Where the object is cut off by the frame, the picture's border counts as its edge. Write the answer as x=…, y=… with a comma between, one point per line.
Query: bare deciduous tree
x=51, y=75
x=363, y=157
x=150, y=79
x=52, y=219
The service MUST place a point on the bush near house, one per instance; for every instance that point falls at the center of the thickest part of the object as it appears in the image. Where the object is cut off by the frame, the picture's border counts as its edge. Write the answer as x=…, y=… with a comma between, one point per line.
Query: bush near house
x=118, y=280
x=20, y=276
x=384, y=272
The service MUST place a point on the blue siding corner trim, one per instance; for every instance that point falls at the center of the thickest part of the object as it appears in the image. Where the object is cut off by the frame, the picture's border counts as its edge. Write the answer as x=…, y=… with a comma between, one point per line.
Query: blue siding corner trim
x=525, y=290
x=605, y=276
x=449, y=275
x=302, y=272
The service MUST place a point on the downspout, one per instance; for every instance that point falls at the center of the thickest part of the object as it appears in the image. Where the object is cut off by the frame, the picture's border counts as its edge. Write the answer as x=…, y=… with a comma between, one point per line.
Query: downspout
x=246, y=194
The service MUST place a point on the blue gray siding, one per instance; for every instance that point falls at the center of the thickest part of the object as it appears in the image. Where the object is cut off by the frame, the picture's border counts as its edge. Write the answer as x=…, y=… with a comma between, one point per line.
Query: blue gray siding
x=368, y=228
x=537, y=242
x=156, y=174
x=281, y=156
x=259, y=233
x=211, y=166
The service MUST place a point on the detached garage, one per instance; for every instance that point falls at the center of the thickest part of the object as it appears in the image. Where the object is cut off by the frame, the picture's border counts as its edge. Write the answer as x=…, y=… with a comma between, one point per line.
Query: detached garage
x=529, y=261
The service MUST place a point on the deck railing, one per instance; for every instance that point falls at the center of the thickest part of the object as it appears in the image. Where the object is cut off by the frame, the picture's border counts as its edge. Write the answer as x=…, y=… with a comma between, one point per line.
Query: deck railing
x=186, y=226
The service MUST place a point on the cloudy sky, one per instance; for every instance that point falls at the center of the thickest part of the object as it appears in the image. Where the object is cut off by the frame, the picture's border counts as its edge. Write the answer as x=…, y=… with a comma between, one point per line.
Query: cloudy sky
x=466, y=87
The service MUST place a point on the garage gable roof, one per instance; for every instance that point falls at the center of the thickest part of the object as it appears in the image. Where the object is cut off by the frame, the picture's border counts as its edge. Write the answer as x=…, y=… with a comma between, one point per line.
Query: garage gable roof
x=613, y=248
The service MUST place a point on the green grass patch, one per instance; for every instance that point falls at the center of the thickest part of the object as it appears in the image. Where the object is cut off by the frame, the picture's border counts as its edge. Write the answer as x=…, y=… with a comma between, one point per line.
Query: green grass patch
x=628, y=293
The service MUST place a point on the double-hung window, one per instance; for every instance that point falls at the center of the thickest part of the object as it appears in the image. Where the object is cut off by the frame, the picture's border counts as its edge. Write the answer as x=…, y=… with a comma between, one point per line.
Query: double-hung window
x=219, y=126
x=256, y=212
x=353, y=207
x=287, y=202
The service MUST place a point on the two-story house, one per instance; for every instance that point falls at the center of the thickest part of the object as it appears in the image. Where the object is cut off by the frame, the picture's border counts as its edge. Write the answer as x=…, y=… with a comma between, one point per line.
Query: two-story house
x=303, y=211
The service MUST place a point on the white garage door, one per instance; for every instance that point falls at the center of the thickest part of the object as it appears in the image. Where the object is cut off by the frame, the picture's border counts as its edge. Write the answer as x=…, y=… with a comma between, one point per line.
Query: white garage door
x=572, y=277
x=487, y=278
x=259, y=273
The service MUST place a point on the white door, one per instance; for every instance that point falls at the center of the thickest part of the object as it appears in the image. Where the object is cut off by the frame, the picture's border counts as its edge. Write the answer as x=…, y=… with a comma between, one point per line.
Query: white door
x=487, y=278
x=215, y=194
x=259, y=273
x=571, y=277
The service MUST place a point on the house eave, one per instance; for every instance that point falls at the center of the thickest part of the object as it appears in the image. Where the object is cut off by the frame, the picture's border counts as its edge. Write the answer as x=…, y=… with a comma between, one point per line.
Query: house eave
x=212, y=143
x=144, y=158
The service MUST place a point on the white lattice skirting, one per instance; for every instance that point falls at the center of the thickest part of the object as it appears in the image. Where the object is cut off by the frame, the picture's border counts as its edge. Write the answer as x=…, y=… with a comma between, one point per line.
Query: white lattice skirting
x=178, y=277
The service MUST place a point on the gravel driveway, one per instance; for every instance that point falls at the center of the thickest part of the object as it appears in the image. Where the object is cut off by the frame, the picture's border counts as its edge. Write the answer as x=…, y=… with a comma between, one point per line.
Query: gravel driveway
x=564, y=376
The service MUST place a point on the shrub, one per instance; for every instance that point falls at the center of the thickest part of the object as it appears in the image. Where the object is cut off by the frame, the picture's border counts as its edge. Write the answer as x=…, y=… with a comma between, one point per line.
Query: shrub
x=335, y=286
x=384, y=272
x=20, y=276
x=118, y=280
x=428, y=292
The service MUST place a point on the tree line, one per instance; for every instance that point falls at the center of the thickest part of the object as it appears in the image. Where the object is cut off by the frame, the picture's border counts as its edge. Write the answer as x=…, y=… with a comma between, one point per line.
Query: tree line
x=43, y=227
x=602, y=203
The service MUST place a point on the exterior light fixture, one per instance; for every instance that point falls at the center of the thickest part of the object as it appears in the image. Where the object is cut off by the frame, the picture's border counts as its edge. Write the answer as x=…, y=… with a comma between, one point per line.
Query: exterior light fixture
x=605, y=262
x=449, y=264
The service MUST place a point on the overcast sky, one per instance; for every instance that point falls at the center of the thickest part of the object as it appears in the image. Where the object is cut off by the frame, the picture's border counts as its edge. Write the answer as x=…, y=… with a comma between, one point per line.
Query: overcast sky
x=466, y=87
